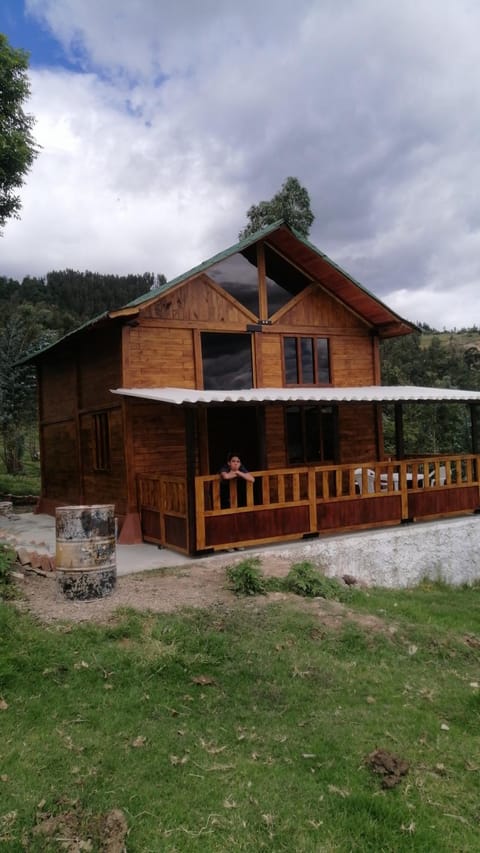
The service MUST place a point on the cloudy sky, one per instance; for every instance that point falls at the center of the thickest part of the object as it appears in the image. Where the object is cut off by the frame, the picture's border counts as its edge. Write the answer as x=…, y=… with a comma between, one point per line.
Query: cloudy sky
x=161, y=121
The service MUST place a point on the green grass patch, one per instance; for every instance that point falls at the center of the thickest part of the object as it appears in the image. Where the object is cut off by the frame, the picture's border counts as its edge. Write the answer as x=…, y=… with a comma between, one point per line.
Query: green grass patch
x=245, y=728
x=27, y=483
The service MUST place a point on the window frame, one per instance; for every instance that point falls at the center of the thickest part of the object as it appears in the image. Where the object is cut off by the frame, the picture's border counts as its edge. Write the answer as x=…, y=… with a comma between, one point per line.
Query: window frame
x=314, y=341
x=102, y=461
x=322, y=433
x=248, y=336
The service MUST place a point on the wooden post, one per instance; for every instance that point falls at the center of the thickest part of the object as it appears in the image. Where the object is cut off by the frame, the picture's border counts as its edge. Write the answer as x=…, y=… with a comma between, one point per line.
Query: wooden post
x=399, y=441
x=475, y=425
x=402, y=484
x=312, y=501
x=262, y=284
x=190, y=443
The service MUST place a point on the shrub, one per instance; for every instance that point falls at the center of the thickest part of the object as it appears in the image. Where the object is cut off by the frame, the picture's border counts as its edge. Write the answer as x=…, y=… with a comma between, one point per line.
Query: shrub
x=247, y=577
x=7, y=559
x=304, y=579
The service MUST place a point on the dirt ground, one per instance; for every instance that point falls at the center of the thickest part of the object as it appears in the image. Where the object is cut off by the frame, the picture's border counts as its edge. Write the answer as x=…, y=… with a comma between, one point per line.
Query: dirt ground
x=164, y=591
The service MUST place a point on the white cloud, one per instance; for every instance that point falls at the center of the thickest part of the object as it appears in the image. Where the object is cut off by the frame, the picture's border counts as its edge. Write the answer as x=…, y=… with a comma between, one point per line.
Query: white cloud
x=184, y=113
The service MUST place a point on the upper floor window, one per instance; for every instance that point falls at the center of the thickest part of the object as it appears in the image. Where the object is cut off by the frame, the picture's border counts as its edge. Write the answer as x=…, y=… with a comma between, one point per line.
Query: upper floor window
x=283, y=280
x=238, y=275
x=306, y=361
x=227, y=361
x=101, y=442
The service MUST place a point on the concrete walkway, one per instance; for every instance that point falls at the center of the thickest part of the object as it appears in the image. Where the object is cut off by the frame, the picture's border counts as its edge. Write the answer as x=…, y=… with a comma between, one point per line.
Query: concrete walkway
x=37, y=533
x=399, y=556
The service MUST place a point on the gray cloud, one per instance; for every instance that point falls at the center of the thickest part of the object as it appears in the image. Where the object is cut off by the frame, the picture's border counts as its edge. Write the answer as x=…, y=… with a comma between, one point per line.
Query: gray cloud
x=183, y=113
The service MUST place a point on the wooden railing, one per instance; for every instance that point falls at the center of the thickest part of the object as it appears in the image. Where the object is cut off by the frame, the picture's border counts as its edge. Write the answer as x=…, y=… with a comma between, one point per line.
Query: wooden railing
x=291, y=503
x=162, y=502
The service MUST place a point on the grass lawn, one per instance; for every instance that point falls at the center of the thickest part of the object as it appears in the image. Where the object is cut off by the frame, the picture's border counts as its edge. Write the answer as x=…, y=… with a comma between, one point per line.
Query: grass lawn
x=245, y=729
x=27, y=483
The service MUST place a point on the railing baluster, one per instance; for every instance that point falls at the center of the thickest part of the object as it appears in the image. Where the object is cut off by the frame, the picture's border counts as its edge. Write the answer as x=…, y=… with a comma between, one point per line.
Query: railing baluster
x=296, y=486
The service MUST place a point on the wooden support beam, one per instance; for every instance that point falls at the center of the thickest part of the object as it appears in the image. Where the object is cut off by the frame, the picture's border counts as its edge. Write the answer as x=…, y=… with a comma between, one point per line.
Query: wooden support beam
x=399, y=439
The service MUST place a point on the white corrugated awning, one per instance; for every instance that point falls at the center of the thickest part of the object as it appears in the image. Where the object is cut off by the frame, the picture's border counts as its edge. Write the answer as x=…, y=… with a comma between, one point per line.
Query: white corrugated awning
x=363, y=394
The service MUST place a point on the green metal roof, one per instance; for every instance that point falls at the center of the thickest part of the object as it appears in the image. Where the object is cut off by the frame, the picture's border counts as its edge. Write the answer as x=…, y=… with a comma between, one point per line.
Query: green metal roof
x=262, y=234
x=232, y=250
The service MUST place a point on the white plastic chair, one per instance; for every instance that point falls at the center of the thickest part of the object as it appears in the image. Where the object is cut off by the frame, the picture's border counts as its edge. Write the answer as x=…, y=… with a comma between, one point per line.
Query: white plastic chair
x=370, y=480
x=442, y=476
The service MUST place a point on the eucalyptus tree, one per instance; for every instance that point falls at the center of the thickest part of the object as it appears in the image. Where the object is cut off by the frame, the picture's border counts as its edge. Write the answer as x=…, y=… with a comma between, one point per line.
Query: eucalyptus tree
x=17, y=145
x=291, y=203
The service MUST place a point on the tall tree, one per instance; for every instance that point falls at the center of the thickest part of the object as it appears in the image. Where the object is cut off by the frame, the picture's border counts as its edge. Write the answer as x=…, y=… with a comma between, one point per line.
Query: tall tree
x=20, y=333
x=291, y=203
x=17, y=145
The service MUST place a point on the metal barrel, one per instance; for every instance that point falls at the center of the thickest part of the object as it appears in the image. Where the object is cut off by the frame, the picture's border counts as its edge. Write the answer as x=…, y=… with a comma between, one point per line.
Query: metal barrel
x=85, y=550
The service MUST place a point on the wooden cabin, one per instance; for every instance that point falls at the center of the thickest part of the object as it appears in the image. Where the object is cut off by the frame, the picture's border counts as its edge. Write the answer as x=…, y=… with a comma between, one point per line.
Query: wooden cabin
x=268, y=349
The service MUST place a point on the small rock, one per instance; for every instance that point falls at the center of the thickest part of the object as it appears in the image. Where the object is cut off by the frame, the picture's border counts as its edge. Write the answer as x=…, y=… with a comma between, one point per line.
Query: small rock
x=23, y=556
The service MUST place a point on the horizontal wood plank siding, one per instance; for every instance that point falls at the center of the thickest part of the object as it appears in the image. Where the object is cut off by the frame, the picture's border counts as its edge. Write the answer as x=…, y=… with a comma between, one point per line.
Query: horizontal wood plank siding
x=271, y=357
x=367, y=512
x=352, y=361
x=433, y=502
x=260, y=525
x=99, y=368
x=159, y=356
x=57, y=389
x=158, y=432
x=357, y=431
x=275, y=437
x=61, y=477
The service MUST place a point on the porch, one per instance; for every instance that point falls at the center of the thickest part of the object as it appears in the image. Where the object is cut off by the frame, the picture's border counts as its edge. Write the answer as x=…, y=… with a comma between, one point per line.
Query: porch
x=304, y=502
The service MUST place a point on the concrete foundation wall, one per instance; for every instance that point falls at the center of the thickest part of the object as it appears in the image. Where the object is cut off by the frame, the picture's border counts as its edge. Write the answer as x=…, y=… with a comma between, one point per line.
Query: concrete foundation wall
x=447, y=550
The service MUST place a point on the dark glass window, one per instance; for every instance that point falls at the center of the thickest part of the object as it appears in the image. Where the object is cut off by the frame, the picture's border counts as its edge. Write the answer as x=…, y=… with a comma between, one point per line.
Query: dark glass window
x=290, y=361
x=310, y=433
x=227, y=361
x=323, y=361
x=283, y=280
x=101, y=442
x=238, y=275
x=306, y=361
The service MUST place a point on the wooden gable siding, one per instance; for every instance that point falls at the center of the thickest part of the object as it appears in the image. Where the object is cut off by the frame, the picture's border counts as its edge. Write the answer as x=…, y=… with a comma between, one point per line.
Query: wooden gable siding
x=315, y=307
x=158, y=433
x=199, y=301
